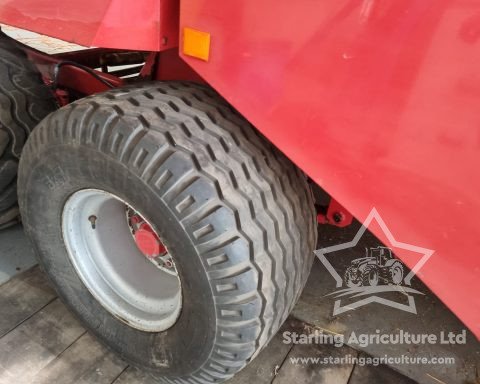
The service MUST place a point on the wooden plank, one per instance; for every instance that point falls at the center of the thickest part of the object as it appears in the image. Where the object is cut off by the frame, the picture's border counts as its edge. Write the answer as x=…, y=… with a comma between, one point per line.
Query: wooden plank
x=85, y=361
x=23, y=296
x=368, y=374
x=264, y=367
x=43, y=343
x=134, y=376
x=308, y=372
x=36, y=342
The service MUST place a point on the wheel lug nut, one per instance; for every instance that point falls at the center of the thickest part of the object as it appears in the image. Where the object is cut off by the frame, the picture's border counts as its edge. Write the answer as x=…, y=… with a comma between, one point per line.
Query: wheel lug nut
x=337, y=217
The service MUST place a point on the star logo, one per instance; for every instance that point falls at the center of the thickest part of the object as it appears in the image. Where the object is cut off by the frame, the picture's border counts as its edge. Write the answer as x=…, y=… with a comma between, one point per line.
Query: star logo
x=378, y=272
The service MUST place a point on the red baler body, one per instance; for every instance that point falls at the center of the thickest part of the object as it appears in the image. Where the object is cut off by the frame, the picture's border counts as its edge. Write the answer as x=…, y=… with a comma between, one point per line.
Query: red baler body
x=377, y=101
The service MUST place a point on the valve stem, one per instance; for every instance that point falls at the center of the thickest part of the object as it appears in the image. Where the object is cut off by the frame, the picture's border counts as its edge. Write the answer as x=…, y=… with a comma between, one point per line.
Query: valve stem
x=93, y=220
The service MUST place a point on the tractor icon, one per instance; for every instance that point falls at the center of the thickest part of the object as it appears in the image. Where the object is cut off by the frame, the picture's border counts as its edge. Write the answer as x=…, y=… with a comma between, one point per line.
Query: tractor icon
x=378, y=266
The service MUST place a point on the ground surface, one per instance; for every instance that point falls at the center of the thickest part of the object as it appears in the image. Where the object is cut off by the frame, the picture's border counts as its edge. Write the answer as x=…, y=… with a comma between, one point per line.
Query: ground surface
x=41, y=342
x=16, y=254
x=431, y=317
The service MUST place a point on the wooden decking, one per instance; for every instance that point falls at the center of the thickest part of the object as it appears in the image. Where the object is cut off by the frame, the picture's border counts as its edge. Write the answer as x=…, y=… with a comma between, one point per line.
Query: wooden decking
x=41, y=342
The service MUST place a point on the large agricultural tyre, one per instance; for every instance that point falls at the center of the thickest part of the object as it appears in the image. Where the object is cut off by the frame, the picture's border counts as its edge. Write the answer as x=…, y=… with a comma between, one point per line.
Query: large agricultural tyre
x=396, y=273
x=370, y=276
x=351, y=279
x=24, y=101
x=203, y=231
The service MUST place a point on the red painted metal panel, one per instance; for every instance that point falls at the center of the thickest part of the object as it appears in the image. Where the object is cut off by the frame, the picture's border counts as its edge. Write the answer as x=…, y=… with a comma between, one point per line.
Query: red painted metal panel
x=171, y=67
x=150, y=25
x=378, y=101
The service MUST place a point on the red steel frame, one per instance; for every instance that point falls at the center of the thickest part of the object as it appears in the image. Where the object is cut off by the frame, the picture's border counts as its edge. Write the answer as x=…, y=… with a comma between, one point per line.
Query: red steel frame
x=165, y=65
x=376, y=101
x=69, y=76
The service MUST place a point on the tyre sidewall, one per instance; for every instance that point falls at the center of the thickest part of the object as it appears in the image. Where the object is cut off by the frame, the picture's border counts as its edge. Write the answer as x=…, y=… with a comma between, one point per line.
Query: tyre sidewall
x=55, y=177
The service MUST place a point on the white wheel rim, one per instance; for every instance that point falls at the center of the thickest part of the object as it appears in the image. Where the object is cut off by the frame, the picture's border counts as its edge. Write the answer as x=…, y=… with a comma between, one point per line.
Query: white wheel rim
x=112, y=267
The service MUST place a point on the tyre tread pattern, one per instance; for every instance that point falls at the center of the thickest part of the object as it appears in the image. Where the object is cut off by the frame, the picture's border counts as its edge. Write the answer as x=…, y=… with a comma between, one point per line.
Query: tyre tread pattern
x=24, y=101
x=209, y=165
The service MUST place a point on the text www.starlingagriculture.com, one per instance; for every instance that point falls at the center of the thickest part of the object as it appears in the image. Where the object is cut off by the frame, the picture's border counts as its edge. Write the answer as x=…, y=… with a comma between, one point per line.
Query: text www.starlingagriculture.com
x=369, y=360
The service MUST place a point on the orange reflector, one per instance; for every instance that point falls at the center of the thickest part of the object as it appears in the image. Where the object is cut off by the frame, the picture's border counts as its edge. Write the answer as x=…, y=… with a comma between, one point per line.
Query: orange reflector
x=196, y=43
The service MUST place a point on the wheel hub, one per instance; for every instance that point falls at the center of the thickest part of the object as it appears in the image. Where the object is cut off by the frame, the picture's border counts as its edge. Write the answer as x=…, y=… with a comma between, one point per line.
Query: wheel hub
x=149, y=243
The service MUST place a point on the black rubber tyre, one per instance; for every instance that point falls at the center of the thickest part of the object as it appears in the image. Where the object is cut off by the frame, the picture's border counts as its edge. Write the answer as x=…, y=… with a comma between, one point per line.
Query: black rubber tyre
x=347, y=278
x=370, y=276
x=394, y=278
x=24, y=101
x=236, y=213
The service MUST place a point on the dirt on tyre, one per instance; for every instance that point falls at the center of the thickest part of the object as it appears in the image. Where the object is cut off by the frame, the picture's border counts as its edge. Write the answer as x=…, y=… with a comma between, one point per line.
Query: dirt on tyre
x=234, y=214
x=24, y=101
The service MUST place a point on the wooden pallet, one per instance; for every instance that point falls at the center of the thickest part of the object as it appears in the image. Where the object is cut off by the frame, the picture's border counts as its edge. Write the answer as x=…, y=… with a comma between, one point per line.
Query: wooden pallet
x=41, y=342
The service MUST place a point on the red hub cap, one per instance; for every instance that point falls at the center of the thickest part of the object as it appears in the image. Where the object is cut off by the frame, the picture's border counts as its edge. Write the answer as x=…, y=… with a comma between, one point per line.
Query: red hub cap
x=149, y=243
